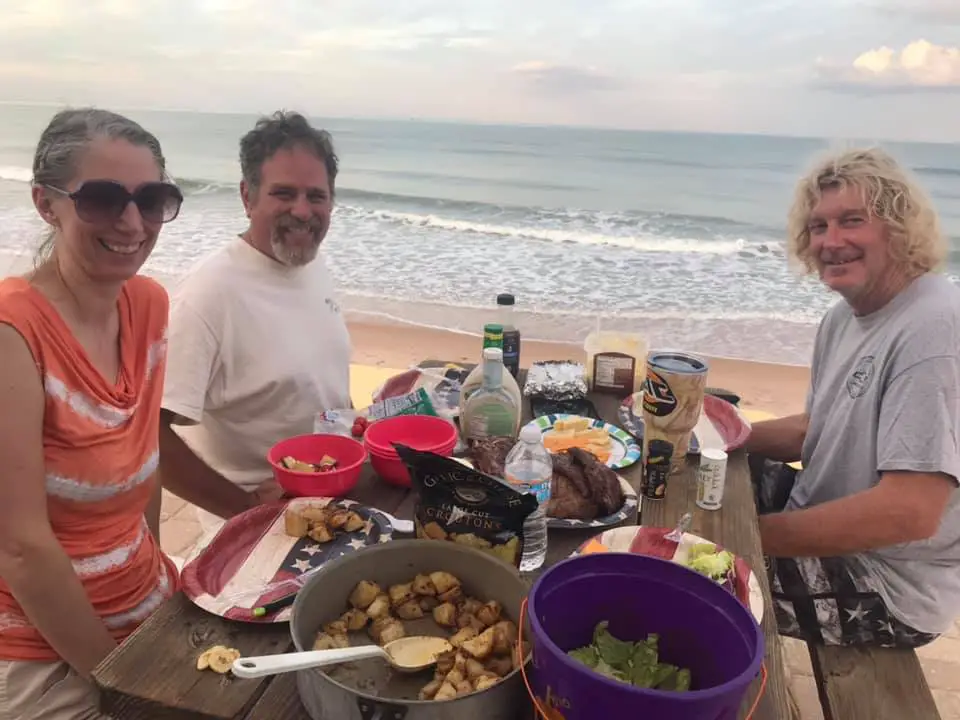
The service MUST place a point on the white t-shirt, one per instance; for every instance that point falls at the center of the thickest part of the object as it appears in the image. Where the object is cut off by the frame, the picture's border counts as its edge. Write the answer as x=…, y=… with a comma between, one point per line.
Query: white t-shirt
x=256, y=350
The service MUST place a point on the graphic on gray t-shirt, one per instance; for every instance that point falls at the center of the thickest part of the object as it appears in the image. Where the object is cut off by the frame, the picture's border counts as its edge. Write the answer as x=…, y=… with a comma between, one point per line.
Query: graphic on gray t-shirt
x=885, y=396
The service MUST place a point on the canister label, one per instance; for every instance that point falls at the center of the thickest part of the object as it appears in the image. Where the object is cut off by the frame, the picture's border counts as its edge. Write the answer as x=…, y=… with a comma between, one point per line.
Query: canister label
x=658, y=399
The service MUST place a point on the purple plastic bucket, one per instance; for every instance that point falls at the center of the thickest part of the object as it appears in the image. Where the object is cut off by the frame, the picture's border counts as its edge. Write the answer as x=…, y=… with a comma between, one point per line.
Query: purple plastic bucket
x=701, y=626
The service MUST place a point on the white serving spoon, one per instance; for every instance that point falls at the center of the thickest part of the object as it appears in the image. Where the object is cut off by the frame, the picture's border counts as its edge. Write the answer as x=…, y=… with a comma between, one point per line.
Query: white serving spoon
x=408, y=655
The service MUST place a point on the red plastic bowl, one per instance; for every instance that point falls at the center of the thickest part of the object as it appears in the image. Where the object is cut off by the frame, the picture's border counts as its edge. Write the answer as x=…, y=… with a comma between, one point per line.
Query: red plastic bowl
x=420, y=432
x=393, y=470
x=392, y=452
x=349, y=453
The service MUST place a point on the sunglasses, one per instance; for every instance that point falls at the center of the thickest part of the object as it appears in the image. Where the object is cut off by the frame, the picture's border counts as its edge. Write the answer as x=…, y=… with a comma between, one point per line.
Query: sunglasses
x=102, y=202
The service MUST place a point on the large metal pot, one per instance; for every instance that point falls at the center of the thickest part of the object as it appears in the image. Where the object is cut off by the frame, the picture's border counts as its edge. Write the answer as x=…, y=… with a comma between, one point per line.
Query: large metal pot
x=370, y=690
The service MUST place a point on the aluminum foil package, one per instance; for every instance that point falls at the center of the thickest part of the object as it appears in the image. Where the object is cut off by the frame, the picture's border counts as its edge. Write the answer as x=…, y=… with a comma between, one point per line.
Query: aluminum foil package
x=559, y=380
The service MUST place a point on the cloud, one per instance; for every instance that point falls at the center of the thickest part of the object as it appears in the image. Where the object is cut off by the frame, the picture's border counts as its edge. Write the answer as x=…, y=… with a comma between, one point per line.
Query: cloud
x=937, y=11
x=921, y=66
x=564, y=79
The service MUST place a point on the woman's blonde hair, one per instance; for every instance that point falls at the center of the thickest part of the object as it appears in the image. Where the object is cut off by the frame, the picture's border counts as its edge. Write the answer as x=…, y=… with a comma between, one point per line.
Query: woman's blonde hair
x=890, y=194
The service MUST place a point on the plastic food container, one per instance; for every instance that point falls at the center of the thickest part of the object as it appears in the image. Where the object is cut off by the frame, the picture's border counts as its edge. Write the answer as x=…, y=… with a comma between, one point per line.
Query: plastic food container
x=349, y=454
x=616, y=362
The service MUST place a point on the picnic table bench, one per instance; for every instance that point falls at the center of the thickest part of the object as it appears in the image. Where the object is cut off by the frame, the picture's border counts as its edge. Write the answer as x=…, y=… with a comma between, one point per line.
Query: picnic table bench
x=871, y=684
x=153, y=675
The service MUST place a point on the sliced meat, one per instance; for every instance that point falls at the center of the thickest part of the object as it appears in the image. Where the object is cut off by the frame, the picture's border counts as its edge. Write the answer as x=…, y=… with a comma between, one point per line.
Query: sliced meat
x=490, y=455
x=604, y=485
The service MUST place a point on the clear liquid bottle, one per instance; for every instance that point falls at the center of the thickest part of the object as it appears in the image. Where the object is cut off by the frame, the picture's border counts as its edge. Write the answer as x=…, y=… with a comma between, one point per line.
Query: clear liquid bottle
x=529, y=468
x=491, y=411
x=492, y=338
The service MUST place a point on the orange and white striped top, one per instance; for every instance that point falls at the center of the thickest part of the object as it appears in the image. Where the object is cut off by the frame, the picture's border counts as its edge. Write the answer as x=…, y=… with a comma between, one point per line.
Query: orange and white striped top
x=100, y=446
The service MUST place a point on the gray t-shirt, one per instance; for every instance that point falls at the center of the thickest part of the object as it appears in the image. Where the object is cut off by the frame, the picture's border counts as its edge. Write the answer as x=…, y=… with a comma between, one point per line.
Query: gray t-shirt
x=885, y=396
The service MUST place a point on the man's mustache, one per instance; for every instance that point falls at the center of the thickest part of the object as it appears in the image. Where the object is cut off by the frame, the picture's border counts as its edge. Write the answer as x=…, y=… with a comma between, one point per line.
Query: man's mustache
x=290, y=223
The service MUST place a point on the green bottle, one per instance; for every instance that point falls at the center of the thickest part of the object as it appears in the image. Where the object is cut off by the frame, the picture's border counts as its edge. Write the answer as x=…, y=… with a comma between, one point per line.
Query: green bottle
x=492, y=338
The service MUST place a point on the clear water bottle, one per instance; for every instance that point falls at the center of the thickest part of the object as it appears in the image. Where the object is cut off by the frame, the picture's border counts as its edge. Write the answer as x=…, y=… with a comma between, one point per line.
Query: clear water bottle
x=529, y=468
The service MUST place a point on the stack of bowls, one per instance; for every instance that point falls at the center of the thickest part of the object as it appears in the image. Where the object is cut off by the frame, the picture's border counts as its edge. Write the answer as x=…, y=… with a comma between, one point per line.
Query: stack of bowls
x=420, y=432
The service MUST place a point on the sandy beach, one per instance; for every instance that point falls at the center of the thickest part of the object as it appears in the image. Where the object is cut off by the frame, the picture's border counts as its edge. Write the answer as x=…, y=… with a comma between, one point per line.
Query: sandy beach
x=776, y=389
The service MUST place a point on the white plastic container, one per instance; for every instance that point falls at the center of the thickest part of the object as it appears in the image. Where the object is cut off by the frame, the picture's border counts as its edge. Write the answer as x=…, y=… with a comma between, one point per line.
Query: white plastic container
x=616, y=362
x=711, y=478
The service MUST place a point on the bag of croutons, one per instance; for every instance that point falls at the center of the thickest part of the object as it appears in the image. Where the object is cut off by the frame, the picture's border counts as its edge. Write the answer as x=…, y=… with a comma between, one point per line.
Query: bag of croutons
x=462, y=505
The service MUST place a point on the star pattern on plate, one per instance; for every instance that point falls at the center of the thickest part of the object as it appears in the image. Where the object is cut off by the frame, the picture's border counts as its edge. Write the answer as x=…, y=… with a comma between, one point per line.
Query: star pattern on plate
x=310, y=549
x=357, y=543
x=301, y=565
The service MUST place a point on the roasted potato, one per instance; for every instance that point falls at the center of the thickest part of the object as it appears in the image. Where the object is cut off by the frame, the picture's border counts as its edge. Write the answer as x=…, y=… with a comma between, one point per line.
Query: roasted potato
x=423, y=585
x=489, y=614
x=446, y=692
x=470, y=605
x=445, y=662
x=453, y=595
x=337, y=627
x=324, y=642
x=295, y=524
x=460, y=637
x=354, y=523
x=338, y=518
x=355, y=619
x=428, y=603
x=500, y=665
x=445, y=615
x=410, y=610
x=379, y=608
x=480, y=647
x=364, y=593
x=475, y=669
x=485, y=681
x=430, y=689
x=385, y=630
x=320, y=533
x=400, y=594
x=315, y=515
x=444, y=581
x=504, y=637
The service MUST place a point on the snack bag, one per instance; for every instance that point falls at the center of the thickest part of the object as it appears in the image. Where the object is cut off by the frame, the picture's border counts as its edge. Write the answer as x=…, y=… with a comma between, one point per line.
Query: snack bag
x=343, y=422
x=462, y=505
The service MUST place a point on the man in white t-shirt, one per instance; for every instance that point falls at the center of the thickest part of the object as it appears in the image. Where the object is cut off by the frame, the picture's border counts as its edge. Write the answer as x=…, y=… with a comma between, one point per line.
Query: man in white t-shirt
x=257, y=341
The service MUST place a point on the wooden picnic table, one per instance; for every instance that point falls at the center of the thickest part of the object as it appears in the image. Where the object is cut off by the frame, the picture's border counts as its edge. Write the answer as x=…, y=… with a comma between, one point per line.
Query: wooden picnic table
x=152, y=676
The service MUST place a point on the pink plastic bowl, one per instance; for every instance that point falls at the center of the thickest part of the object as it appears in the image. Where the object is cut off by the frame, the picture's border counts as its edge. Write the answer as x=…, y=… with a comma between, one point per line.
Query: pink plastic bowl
x=420, y=432
x=393, y=470
x=349, y=453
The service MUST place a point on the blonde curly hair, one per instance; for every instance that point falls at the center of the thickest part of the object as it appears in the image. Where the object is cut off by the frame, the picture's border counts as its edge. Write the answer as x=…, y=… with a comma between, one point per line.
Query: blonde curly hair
x=890, y=194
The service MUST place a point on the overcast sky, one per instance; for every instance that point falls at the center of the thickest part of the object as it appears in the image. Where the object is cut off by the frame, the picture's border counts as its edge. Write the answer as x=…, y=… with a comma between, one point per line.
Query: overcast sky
x=863, y=68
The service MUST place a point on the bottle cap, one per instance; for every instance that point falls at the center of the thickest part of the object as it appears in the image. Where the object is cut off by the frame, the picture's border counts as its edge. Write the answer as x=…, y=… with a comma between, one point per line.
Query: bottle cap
x=506, y=299
x=531, y=434
x=493, y=329
x=493, y=353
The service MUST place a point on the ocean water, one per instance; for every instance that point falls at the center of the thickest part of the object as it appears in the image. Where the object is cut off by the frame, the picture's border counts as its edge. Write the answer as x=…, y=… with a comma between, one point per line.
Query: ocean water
x=676, y=236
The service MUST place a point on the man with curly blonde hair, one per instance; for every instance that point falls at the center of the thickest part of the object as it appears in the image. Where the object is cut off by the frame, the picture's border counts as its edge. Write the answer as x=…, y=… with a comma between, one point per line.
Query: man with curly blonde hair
x=863, y=543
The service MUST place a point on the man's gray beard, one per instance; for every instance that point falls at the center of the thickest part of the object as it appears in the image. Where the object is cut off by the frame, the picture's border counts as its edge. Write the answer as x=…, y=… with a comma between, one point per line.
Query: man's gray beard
x=293, y=256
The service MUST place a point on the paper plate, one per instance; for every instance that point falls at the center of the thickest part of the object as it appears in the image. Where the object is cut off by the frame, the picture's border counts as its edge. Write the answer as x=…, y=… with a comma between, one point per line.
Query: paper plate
x=630, y=504
x=252, y=560
x=721, y=425
x=650, y=541
x=624, y=450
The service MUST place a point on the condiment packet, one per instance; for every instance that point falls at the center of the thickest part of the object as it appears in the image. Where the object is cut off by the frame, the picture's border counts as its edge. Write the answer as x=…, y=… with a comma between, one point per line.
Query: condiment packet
x=559, y=380
x=459, y=504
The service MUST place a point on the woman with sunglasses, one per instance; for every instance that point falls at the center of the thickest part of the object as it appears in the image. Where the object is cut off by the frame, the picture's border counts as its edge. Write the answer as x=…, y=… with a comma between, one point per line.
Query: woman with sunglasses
x=82, y=342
